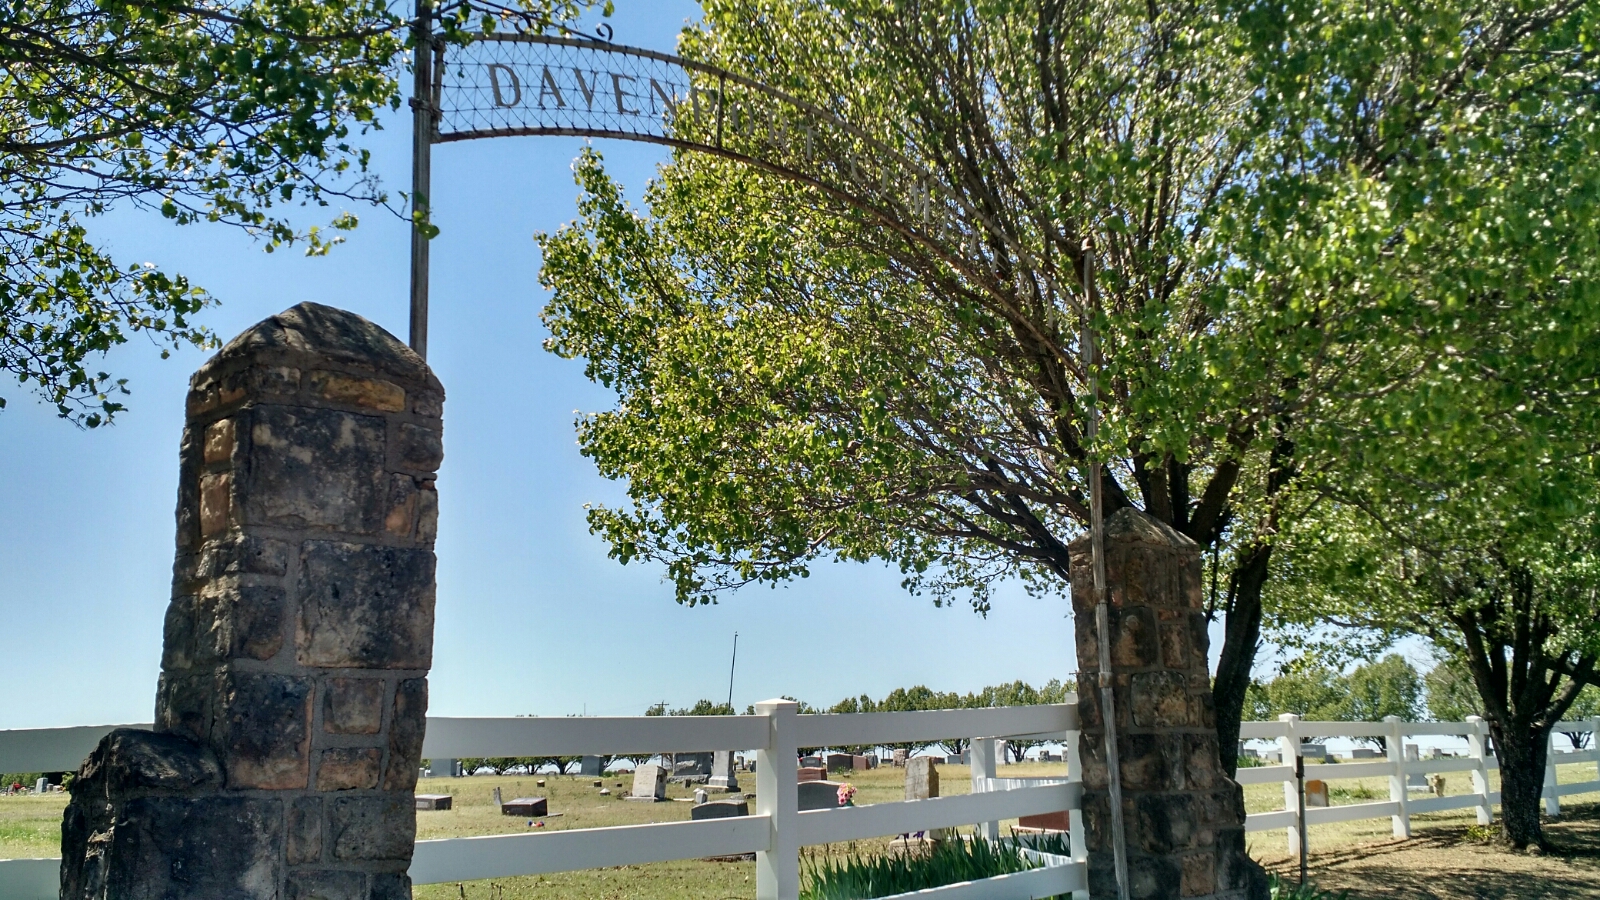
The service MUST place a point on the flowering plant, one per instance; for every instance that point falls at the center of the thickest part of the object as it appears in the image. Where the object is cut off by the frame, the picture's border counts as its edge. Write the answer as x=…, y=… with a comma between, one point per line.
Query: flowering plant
x=847, y=792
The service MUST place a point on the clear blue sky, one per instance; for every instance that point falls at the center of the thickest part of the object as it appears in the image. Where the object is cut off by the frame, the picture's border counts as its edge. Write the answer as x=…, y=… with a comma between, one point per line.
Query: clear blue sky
x=532, y=615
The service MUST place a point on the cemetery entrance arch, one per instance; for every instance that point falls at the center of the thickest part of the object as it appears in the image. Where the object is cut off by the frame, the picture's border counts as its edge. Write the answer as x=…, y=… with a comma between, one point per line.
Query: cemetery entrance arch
x=525, y=82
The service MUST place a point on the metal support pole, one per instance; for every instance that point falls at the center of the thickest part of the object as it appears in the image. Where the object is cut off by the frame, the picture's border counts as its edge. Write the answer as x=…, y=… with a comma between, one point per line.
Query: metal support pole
x=1102, y=608
x=421, y=170
x=1300, y=812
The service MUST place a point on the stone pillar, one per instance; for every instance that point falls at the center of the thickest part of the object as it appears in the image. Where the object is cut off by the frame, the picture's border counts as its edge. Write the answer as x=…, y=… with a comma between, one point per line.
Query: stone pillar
x=290, y=710
x=1184, y=817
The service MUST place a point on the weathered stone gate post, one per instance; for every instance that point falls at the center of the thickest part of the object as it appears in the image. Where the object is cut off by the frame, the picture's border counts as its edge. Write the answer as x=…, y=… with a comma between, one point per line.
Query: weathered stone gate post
x=290, y=711
x=1184, y=817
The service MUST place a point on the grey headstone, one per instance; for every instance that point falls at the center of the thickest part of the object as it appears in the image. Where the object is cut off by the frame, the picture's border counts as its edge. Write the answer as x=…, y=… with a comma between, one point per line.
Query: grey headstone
x=434, y=802
x=819, y=795
x=1415, y=781
x=41, y=786
x=839, y=762
x=649, y=783
x=922, y=778
x=811, y=762
x=724, y=774
x=590, y=766
x=720, y=809
x=526, y=807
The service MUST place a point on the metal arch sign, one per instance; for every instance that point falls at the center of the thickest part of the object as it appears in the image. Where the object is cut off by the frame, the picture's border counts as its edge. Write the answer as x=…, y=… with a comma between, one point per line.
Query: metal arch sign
x=516, y=84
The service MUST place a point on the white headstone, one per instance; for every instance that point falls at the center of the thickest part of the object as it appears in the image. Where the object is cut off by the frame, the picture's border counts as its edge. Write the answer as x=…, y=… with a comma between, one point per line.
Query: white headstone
x=41, y=786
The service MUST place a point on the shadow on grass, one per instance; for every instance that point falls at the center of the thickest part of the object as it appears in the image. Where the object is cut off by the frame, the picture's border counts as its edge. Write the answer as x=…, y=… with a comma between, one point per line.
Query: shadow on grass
x=1451, y=863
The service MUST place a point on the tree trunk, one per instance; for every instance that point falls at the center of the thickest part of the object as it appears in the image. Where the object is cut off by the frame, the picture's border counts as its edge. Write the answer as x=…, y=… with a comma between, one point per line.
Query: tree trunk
x=1241, y=639
x=1522, y=754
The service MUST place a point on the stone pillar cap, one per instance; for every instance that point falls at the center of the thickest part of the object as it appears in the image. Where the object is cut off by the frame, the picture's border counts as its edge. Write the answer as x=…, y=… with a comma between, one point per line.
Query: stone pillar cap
x=1128, y=523
x=311, y=334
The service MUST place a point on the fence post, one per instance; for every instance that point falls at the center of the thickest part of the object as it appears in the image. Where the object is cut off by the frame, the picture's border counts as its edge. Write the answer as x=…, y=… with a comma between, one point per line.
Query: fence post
x=777, y=798
x=1594, y=744
x=1077, y=838
x=1552, y=800
x=983, y=769
x=1288, y=749
x=1396, y=740
x=1477, y=747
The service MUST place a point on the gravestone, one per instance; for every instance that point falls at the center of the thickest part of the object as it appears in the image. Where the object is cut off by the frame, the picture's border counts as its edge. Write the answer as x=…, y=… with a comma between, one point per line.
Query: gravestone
x=1183, y=817
x=839, y=762
x=1415, y=781
x=724, y=774
x=819, y=794
x=649, y=783
x=1363, y=753
x=812, y=762
x=1314, y=753
x=434, y=802
x=589, y=766
x=719, y=809
x=922, y=778
x=690, y=768
x=1316, y=793
x=293, y=690
x=956, y=759
x=811, y=773
x=41, y=786
x=526, y=808
x=900, y=756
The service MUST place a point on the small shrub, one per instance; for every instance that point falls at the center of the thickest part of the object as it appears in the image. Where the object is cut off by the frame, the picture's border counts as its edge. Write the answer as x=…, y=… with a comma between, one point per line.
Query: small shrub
x=1483, y=834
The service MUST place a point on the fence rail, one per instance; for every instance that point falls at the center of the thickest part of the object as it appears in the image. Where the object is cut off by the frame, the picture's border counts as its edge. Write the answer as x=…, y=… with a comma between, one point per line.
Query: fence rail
x=775, y=832
x=1291, y=731
x=777, y=829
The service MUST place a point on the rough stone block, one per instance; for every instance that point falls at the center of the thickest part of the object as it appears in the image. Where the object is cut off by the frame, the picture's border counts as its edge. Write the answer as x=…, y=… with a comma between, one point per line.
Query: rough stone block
x=220, y=441
x=1199, y=875
x=216, y=504
x=427, y=513
x=365, y=606
x=315, y=468
x=406, y=733
x=1166, y=823
x=1175, y=653
x=419, y=449
x=327, y=885
x=264, y=730
x=1160, y=700
x=130, y=760
x=401, y=518
x=184, y=704
x=372, y=828
x=354, y=390
x=348, y=768
x=181, y=848
x=305, y=831
x=1135, y=643
x=245, y=554
x=391, y=886
x=235, y=622
x=352, y=706
x=179, y=644
x=1153, y=877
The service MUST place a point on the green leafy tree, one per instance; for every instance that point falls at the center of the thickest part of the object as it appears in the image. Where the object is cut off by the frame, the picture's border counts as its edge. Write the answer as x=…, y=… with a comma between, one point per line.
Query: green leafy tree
x=1451, y=694
x=797, y=380
x=231, y=111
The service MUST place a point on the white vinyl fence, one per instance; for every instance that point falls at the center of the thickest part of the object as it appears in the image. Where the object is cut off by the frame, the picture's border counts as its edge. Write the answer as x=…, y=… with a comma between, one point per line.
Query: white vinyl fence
x=1291, y=732
x=775, y=831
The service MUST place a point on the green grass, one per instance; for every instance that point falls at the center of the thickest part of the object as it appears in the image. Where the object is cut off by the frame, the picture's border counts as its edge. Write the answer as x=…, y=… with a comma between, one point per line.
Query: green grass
x=1283, y=889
